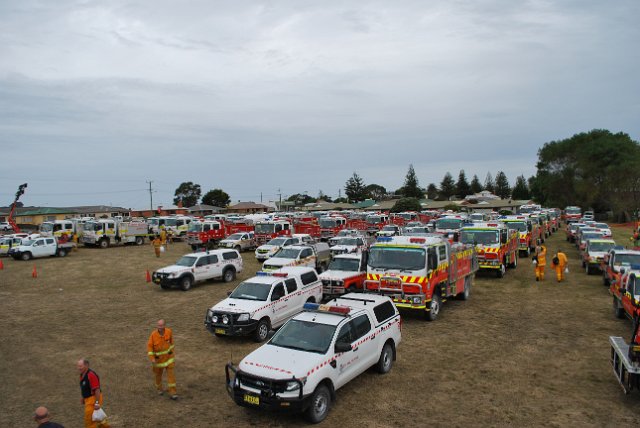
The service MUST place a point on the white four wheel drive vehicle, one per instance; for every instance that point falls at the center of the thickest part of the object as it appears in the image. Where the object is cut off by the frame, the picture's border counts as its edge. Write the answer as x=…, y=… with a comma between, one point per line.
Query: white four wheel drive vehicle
x=316, y=353
x=198, y=267
x=264, y=302
x=239, y=241
x=263, y=252
x=40, y=247
x=314, y=255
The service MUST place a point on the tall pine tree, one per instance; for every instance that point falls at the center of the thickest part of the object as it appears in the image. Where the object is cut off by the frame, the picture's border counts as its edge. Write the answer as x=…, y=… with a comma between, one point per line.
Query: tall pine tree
x=475, y=186
x=489, y=184
x=521, y=189
x=411, y=189
x=354, y=188
x=432, y=191
x=447, y=187
x=502, y=186
x=462, y=186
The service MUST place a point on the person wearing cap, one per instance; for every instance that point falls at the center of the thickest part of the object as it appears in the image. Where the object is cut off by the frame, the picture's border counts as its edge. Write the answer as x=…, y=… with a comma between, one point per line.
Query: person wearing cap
x=42, y=417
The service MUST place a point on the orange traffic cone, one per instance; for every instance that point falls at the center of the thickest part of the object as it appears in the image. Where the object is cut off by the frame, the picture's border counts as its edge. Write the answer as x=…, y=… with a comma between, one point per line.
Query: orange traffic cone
x=148, y=276
x=34, y=272
x=1, y=265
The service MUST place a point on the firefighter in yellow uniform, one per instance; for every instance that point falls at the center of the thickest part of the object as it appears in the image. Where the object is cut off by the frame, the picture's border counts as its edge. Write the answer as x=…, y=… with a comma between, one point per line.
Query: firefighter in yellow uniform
x=163, y=235
x=162, y=357
x=560, y=266
x=541, y=262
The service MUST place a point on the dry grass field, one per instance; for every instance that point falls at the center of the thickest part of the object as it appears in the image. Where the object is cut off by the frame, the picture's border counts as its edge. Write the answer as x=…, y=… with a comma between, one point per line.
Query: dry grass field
x=518, y=353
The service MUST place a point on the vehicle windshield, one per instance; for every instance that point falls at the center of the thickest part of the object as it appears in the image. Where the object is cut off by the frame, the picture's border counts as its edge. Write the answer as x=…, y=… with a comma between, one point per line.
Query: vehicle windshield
x=186, y=261
x=601, y=246
x=327, y=223
x=235, y=237
x=304, y=336
x=407, y=216
x=287, y=253
x=265, y=228
x=397, y=258
x=251, y=291
x=195, y=227
x=374, y=219
x=520, y=226
x=350, y=265
x=348, y=241
x=389, y=228
x=27, y=242
x=479, y=237
x=476, y=217
x=601, y=226
x=276, y=242
x=92, y=226
x=626, y=259
x=171, y=222
x=587, y=236
x=153, y=221
x=573, y=211
x=448, y=223
x=344, y=233
x=46, y=227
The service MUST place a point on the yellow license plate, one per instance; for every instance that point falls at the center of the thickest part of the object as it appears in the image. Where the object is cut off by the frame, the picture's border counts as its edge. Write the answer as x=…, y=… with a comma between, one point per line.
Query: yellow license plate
x=220, y=331
x=252, y=399
x=157, y=280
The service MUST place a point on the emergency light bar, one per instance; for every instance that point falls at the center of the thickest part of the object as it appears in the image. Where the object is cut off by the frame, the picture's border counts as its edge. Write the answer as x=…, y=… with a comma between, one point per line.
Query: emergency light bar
x=635, y=266
x=492, y=224
x=384, y=239
x=417, y=240
x=276, y=274
x=326, y=308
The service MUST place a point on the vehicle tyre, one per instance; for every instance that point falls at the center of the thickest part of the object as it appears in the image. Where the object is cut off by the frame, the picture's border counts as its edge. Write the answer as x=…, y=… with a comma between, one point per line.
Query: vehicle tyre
x=186, y=282
x=104, y=243
x=262, y=330
x=502, y=271
x=385, y=362
x=311, y=300
x=62, y=252
x=320, y=405
x=587, y=269
x=25, y=256
x=139, y=240
x=238, y=248
x=514, y=262
x=434, y=306
x=584, y=265
x=528, y=251
x=194, y=247
x=605, y=280
x=229, y=275
x=467, y=289
x=618, y=310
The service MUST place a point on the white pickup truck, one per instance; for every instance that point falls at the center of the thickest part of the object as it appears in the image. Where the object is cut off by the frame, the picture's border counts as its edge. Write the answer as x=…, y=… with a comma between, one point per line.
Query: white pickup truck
x=315, y=255
x=198, y=267
x=40, y=247
x=240, y=241
x=263, y=252
x=264, y=302
x=316, y=353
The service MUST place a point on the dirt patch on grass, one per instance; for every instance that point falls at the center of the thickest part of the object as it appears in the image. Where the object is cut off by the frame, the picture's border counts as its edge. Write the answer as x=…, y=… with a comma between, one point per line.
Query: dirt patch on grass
x=518, y=353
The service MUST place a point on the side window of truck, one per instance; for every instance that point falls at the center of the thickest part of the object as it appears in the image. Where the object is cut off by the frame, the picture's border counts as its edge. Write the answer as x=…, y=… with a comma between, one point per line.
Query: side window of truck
x=49, y=241
x=308, y=277
x=362, y=326
x=442, y=253
x=291, y=285
x=347, y=333
x=384, y=311
x=202, y=261
x=230, y=255
x=278, y=292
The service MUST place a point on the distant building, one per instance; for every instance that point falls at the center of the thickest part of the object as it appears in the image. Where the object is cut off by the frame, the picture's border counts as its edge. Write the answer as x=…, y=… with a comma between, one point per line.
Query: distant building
x=35, y=216
x=248, y=208
x=202, y=210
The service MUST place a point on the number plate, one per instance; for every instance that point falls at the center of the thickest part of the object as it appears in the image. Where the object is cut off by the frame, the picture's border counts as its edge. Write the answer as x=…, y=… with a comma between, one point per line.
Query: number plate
x=220, y=331
x=157, y=280
x=252, y=399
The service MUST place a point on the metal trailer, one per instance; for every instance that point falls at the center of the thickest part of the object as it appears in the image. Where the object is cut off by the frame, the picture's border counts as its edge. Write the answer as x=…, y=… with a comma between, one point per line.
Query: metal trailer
x=626, y=371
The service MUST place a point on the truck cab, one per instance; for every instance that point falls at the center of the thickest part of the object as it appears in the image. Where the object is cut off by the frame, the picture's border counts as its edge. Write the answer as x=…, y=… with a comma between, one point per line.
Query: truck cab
x=315, y=256
x=616, y=259
x=315, y=354
x=263, y=302
x=57, y=228
x=267, y=230
x=39, y=247
x=626, y=292
x=265, y=251
x=346, y=273
x=240, y=241
x=495, y=244
x=389, y=230
x=349, y=245
x=595, y=252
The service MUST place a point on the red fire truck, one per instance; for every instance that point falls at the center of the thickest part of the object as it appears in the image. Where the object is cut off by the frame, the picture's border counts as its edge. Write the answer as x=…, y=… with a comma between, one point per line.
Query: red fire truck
x=572, y=214
x=524, y=227
x=308, y=226
x=495, y=243
x=267, y=230
x=331, y=225
x=420, y=273
x=626, y=292
x=616, y=260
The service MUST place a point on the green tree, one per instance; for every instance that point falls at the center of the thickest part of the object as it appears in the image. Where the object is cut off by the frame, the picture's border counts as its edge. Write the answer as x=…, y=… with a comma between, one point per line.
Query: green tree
x=216, y=197
x=340, y=201
x=596, y=169
x=323, y=197
x=300, y=199
x=411, y=188
x=447, y=187
x=503, y=190
x=354, y=188
x=406, y=204
x=376, y=192
x=489, y=184
x=187, y=193
x=521, y=189
x=432, y=191
x=462, y=186
x=476, y=186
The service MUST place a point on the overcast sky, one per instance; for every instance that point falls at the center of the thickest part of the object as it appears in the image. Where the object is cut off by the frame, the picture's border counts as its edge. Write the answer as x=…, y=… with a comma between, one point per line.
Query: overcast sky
x=97, y=97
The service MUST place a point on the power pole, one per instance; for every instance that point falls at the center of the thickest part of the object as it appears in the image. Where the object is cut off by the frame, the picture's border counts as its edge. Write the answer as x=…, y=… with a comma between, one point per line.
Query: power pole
x=150, y=195
x=260, y=197
x=280, y=195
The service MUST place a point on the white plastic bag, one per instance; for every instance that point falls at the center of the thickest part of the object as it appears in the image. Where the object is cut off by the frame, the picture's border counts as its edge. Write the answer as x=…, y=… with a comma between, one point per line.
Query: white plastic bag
x=162, y=249
x=98, y=415
x=566, y=270
x=534, y=261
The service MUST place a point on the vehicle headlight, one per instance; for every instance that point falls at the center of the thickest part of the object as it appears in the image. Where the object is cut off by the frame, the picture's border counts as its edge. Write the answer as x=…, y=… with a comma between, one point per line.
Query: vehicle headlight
x=225, y=319
x=340, y=282
x=215, y=318
x=417, y=300
x=243, y=317
x=171, y=275
x=293, y=385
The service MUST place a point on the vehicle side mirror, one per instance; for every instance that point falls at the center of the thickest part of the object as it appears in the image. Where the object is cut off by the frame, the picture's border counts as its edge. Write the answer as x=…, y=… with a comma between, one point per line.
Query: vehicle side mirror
x=342, y=347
